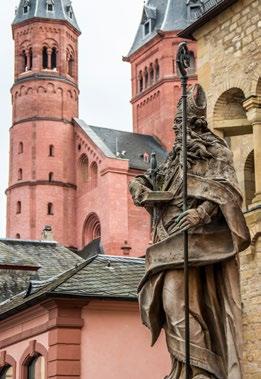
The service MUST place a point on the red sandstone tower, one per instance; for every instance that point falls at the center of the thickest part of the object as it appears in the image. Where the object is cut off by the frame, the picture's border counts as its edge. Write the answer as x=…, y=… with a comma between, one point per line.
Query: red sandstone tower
x=42, y=188
x=154, y=76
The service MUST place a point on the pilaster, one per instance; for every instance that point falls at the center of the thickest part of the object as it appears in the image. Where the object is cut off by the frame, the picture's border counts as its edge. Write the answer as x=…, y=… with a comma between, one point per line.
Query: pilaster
x=252, y=106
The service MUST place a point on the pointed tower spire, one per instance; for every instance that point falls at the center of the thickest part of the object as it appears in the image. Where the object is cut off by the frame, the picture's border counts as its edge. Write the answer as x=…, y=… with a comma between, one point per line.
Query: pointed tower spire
x=60, y=10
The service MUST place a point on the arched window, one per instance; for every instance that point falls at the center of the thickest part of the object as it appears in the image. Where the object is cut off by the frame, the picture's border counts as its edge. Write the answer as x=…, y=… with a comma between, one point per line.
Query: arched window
x=151, y=74
x=30, y=63
x=140, y=82
x=91, y=229
x=17, y=236
x=157, y=69
x=50, y=5
x=146, y=76
x=24, y=61
x=7, y=372
x=94, y=175
x=51, y=150
x=50, y=176
x=20, y=174
x=84, y=168
x=20, y=148
x=250, y=185
x=36, y=368
x=54, y=58
x=50, y=209
x=70, y=65
x=18, y=207
x=45, y=57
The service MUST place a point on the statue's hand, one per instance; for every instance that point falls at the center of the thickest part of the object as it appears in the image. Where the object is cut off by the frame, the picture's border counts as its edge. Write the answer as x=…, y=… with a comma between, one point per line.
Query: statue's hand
x=188, y=220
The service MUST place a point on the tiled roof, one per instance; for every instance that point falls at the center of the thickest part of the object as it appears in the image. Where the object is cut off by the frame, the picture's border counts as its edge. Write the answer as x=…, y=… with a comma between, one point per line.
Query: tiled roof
x=38, y=9
x=10, y=257
x=26, y=257
x=171, y=15
x=130, y=146
x=106, y=277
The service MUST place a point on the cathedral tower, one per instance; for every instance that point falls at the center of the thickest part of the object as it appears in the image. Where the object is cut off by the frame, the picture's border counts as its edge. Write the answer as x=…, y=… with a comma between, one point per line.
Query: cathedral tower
x=45, y=99
x=154, y=76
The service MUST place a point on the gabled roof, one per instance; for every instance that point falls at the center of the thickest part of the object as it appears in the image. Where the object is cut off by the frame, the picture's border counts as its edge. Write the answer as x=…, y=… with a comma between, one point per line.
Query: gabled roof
x=171, y=15
x=31, y=259
x=130, y=145
x=38, y=9
x=103, y=277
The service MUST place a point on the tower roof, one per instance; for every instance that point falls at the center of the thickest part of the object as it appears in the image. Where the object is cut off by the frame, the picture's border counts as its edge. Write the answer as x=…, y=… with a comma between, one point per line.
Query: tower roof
x=163, y=15
x=46, y=9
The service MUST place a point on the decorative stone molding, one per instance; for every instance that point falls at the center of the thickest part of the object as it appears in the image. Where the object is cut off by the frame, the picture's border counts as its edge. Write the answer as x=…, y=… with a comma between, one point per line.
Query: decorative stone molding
x=6, y=359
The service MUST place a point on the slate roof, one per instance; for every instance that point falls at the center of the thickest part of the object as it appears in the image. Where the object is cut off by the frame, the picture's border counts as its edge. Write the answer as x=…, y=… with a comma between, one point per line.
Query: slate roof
x=210, y=9
x=171, y=15
x=38, y=9
x=133, y=145
x=36, y=259
x=93, y=248
x=10, y=258
x=106, y=277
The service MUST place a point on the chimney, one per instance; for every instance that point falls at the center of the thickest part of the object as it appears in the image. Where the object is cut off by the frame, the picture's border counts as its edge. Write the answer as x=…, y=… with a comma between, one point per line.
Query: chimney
x=47, y=233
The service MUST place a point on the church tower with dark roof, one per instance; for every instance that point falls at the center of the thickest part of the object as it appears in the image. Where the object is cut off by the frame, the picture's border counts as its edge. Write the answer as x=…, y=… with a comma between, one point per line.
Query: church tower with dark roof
x=42, y=187
x=154, y=76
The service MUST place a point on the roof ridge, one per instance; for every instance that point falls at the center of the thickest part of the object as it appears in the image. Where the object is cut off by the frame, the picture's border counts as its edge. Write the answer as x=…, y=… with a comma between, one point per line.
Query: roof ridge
x=64, y=276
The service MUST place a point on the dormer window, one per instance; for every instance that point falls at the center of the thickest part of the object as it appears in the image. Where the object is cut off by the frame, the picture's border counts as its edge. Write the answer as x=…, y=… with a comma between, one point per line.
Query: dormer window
x=69, y=11
x=195, y=8
x=26, y=6
x=147, y=28
x=50, y=5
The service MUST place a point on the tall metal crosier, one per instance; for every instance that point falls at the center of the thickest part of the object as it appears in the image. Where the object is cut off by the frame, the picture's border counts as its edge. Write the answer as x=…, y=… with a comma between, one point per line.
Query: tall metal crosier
x=183, y=63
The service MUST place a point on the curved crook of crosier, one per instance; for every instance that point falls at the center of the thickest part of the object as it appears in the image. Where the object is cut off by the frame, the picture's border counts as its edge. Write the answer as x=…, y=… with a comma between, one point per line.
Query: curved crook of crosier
x=183, y=59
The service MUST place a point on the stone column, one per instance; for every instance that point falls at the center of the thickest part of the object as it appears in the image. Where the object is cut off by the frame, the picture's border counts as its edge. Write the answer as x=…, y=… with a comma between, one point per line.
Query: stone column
x=253, y=108
x=49, y=53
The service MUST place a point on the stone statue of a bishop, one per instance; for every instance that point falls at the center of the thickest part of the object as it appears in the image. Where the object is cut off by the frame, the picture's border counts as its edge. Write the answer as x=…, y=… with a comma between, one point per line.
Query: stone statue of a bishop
x=217, y=233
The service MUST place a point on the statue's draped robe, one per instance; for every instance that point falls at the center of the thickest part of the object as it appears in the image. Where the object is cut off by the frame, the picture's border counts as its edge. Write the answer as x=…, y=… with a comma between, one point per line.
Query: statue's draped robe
x=215, y=305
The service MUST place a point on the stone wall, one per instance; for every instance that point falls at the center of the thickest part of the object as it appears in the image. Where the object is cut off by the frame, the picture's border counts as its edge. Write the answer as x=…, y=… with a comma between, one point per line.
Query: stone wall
x=229, y=69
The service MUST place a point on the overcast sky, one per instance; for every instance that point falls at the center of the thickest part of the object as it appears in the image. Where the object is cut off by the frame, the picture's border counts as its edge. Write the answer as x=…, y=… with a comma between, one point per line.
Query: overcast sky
x=108, y=29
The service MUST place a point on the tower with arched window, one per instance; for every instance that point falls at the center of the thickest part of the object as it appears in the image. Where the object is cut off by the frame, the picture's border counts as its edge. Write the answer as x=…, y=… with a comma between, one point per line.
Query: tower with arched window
x=45, y=101
x=155, y=83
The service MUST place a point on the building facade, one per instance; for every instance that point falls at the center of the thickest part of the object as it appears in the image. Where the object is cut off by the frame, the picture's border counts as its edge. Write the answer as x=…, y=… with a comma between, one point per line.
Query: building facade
x=228, y=41
x=62, y=169
x=154, y=75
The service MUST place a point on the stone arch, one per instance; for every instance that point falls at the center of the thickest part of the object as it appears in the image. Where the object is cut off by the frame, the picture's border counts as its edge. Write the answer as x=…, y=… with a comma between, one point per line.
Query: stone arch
x=229, y=114
x=70, y=57
x=249, y=179
x=34, y=350
x=6, y=361
x=91, y=229
x=51, y=88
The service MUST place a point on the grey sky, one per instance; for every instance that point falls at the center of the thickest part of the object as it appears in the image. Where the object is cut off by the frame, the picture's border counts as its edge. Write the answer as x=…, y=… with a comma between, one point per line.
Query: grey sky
x=108, y=29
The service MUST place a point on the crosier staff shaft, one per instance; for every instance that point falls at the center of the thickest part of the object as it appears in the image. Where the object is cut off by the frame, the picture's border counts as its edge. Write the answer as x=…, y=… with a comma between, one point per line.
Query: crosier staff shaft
x=183, y=62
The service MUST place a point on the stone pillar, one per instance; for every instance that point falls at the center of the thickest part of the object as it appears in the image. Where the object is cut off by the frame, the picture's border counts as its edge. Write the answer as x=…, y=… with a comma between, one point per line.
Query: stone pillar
x=64, y=354
x=49, y=53
x=253, y=108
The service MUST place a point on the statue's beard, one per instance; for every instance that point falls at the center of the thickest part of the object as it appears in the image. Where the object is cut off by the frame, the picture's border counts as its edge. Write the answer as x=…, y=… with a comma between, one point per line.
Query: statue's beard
x=199, y=141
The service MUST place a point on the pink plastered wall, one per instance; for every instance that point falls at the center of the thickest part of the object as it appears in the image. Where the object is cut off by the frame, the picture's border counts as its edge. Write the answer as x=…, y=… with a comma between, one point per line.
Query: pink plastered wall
x=116, y=345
